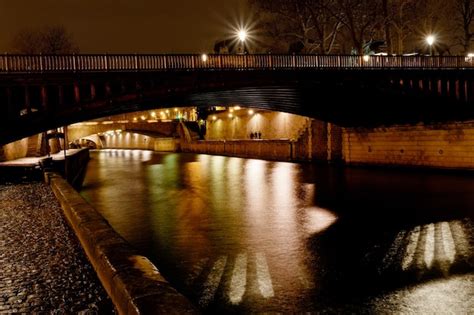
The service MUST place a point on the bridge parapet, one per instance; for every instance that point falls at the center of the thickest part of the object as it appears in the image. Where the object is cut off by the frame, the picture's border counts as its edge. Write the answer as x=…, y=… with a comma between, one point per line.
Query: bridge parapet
x=162, y=62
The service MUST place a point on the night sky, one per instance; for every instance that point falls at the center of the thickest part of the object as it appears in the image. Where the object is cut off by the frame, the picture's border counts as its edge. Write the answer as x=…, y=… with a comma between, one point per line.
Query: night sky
x=127, y=25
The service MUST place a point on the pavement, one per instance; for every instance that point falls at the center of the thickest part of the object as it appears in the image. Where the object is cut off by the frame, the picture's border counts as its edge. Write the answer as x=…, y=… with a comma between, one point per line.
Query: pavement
x=35, y=161
x=43, y=267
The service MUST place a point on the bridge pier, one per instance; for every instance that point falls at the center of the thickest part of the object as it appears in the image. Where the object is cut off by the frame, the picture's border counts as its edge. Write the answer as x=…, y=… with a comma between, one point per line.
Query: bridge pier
x=92, y=91
x=44, y=97
x=77, y=93
x=60, y=95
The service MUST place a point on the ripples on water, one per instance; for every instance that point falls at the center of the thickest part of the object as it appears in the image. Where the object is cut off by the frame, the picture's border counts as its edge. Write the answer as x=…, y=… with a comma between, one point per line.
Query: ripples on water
x=244, y=235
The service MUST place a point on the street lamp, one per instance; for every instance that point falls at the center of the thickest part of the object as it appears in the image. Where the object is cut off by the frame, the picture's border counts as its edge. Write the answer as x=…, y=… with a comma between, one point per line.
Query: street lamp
x=430, y=39
x=242, y=36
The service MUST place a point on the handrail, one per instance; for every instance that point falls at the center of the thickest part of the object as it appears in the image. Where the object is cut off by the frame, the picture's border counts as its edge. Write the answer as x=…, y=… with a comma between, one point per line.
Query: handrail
x=14, y=63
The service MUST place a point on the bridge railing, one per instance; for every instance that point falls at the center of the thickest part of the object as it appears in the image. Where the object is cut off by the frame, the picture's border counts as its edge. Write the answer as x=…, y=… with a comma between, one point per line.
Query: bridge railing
x=146, y=62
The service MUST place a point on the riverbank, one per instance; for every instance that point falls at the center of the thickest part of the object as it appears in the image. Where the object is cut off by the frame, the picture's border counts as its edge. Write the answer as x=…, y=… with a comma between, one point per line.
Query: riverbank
x=44, y=269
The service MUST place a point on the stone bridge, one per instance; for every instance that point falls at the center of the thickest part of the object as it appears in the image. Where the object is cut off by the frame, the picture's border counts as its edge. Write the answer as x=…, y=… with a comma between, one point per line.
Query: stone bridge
x=41, y=92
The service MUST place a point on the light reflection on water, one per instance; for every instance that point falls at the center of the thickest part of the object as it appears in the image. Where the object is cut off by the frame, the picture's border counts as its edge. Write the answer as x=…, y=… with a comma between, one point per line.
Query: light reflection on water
x=251, y=235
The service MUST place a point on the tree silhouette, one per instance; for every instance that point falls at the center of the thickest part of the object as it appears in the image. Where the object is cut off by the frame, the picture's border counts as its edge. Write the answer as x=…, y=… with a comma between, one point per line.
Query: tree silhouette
x=53, y=39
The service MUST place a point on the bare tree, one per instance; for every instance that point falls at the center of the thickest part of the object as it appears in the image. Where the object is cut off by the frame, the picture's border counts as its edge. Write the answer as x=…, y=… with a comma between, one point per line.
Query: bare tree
x=47, y=40
x=361, y=19
x=386, y=24
x=326, y=24
x=401, y=18
x=464, y=10
x=285, y=20
x=306, y=22
x=27, y=41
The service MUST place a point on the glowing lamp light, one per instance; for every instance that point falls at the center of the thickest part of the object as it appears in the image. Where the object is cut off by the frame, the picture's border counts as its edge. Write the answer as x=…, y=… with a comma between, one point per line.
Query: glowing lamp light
x=175, y=109
x=143, y=117
x=242, y=35
x=366, y=58
x=214, y=117
x=204, y=57
x=134, y=118
x=153, y=114
x=430, y=39
x=250, y=111
x=230, y=115
x=236, y=107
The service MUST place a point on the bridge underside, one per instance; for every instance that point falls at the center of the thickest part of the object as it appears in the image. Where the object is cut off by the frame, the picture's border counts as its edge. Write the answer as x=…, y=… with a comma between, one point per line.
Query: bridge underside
x=350, y=98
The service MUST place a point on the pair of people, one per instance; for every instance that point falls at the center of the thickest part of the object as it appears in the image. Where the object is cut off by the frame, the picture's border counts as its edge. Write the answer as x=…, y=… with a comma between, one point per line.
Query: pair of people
x=256, y=135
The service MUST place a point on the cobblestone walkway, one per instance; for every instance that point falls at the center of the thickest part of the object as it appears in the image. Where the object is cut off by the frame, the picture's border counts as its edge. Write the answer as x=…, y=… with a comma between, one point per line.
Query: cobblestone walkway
x=42, y=266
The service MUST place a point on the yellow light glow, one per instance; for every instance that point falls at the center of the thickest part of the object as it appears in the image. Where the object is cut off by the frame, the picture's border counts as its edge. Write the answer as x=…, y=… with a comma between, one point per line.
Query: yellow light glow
x=230, y=115
x=143, y=117
x=236, y=107
x=430, y=39
x=231, y=110
x=319, y=219
x=250, y=111
x=153, y=114
x=242, y=35
x=366, y=58
x=214, y=117
x=175, y=109
x=167, y=111
x=134, y=118
x=204, y=57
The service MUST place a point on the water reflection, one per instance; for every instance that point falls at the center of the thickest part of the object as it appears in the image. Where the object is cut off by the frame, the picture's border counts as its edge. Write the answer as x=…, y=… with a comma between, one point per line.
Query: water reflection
x=244, y=235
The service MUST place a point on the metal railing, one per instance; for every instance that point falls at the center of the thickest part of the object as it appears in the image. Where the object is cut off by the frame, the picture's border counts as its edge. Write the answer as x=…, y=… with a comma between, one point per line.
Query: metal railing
x=144, y=62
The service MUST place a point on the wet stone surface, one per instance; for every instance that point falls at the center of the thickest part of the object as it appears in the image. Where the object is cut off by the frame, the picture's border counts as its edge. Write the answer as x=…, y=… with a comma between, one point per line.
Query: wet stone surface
x=43, y=268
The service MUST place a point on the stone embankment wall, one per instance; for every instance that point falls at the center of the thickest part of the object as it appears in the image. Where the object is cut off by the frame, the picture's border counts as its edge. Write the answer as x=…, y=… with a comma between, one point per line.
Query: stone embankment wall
x=130, y=140
x=436, y=146
x=281, y=150
x=133, y=283
x=75, y=168
x=313, y=140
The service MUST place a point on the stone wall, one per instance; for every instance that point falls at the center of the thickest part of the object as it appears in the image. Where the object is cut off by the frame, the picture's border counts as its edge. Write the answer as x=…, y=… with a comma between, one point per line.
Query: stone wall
x=271, y=125
x=15, y=150
x=128, y=140
x=133, y=283
x=437, y=146
x=166, y=145
x=280, y=150
x=315, y=141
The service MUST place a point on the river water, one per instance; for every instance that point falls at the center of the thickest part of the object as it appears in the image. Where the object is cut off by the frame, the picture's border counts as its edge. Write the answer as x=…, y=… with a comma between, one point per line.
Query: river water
x=244, y=235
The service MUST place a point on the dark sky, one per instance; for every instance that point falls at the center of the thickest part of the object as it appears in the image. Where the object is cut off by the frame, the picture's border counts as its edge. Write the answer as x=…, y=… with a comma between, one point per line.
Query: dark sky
x=127, y=25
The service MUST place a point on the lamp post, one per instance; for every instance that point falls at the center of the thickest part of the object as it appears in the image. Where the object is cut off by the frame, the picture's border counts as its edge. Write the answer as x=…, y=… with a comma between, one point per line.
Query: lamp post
x=242, y=36
x=430, y=39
